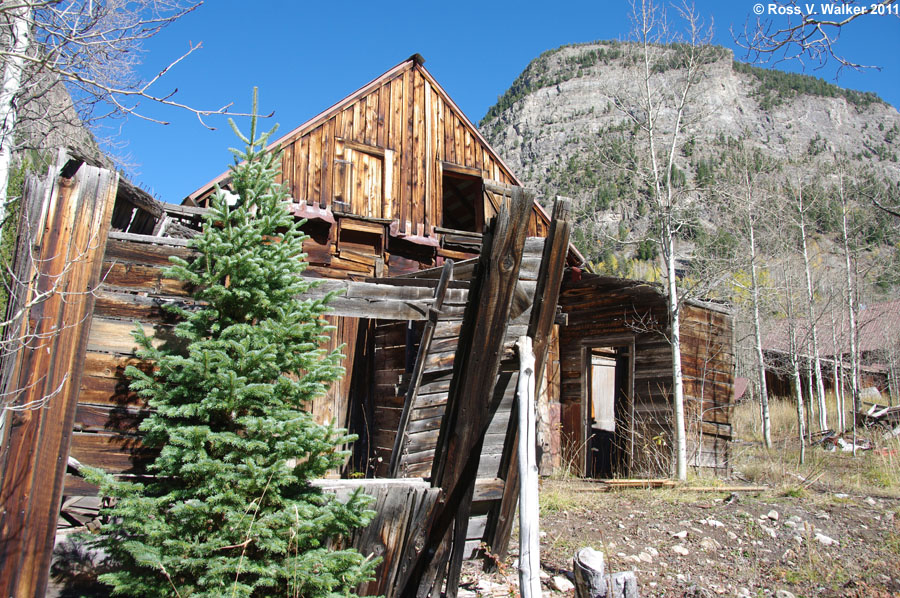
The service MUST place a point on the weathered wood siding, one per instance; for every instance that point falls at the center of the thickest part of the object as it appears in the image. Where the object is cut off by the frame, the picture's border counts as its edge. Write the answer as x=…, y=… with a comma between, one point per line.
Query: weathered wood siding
x=604, y=311
x=63, y=226
x=134, y=288
x=374, y=163
x=707, y=358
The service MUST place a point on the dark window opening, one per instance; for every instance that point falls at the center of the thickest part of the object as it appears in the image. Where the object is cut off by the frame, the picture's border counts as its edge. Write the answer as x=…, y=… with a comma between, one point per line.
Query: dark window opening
x=463, y=202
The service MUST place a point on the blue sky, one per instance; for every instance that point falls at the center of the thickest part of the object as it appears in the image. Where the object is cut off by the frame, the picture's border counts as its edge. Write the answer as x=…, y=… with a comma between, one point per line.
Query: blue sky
x=305, y=56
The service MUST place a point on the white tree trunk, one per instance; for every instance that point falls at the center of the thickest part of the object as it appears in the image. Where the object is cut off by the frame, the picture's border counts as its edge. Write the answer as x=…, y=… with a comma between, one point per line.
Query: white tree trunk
x=677, y=378
x=529, y=544
x=837, y=374
x=20, y=37
x=757, y=333
x=851, y=308
x=810, y=298
x=794, y=358
x=798, y=391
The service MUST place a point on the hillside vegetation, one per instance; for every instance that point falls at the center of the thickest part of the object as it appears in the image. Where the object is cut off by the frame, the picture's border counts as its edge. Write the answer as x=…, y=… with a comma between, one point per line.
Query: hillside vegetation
x=799, y=158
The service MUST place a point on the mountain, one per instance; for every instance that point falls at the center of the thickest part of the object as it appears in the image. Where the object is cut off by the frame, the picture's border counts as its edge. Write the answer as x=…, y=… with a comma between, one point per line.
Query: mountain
x=565, y=120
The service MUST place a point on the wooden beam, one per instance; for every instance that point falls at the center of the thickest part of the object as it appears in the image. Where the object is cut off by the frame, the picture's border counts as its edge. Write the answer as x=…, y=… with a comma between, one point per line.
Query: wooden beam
x=466, y=419
x=419, y=368
x=47, y=373
x=540, y=325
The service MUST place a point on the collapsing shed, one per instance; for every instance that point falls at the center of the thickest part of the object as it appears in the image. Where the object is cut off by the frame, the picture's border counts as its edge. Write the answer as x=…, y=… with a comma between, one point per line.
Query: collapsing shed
x=394, y=182
x=424, y=526
x=615, y=370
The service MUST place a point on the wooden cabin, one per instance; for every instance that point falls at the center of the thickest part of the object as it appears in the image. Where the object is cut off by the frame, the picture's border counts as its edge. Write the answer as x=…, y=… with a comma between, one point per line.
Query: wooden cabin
x=391, y=179
x=394, y=182
x=615, y=379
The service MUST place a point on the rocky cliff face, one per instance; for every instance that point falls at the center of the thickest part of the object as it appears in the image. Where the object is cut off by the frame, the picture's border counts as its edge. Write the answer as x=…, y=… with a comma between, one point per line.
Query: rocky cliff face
x=558, y=123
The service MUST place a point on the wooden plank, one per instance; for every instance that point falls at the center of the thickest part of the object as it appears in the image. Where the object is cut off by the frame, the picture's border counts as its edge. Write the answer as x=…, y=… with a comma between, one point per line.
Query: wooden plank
x=299, y=181
x=33, y=455
x=371, y=110
x=327, y=164
x=116, y=336
x=384, y=114
x=287, y=165
x=131, y=252
x=168, y=241
x=475, y=373
x=129, y=306
x=146, y=279
x=395, y=142
x=540, y=326
x=314, y=164
x=419, y=367
x=417, y=168
x=407, y=155
x=429, y=159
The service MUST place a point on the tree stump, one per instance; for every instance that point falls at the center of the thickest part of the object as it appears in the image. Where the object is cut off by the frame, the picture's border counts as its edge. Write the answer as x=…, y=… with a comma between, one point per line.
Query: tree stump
x=589, y=568
x=592, y=582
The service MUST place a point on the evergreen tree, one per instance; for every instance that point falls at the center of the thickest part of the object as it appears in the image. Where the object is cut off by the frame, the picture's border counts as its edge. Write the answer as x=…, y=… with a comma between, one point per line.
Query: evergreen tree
x=231, y=511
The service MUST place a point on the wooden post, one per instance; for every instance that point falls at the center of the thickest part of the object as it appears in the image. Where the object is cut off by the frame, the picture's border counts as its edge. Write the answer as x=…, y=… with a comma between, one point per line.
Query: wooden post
x=46, y=375
x=543, y=312
x=466, y=417
x=419, y=368
x=529, y=544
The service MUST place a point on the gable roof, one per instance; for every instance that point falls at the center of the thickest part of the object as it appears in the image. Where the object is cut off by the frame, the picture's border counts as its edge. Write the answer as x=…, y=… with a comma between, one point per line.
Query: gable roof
x=413, y=62
x=487, y=160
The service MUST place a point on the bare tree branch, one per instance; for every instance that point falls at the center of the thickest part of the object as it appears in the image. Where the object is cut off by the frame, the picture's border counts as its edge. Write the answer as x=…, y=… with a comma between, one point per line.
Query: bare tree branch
x=806, y=35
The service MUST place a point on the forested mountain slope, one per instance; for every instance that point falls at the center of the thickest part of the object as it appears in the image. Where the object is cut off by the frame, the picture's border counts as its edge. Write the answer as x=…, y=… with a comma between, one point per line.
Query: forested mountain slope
x=565, y=127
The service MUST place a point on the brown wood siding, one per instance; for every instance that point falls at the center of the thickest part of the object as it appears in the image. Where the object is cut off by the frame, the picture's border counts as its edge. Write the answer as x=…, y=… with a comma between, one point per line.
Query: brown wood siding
x=133, y=289
x=409, y=116
x=600, y=309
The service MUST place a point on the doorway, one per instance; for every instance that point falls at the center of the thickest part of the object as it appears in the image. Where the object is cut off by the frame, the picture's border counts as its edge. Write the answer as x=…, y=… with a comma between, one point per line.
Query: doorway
x=608, y=416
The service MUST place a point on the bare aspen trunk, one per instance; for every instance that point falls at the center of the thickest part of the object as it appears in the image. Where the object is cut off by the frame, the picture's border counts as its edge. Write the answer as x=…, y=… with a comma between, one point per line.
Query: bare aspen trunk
x=798, y=392
x=809, y=393
x=892, y=377
x=677, y=379
x=20, y=38
x=794, y=358
x=851, y=307
x=757, y=337
x=837, y=374
x=810, y=299
x=529, y=544
x=843, y=403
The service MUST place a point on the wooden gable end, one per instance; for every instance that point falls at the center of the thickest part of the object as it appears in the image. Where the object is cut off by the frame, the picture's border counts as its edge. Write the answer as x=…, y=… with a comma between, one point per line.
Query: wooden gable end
x=383, y=153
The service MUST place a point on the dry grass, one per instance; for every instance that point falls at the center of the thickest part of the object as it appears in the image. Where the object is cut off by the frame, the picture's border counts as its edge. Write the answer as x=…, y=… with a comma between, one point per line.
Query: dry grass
x=869, y=472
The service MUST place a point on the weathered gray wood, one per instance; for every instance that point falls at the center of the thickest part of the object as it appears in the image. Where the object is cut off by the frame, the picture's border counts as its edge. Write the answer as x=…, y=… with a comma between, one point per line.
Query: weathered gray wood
x=590, y=572
x=401, y=506
x=475, y=373
x=529, y=517
x=152, y=239
x=540, y=325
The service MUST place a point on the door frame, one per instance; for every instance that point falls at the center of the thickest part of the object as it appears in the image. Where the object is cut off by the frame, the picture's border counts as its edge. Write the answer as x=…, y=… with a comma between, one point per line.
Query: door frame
x=587, y=346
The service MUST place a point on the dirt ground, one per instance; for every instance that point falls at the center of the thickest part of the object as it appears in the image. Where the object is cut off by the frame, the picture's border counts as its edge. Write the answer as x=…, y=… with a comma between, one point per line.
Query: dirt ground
x=800, y=541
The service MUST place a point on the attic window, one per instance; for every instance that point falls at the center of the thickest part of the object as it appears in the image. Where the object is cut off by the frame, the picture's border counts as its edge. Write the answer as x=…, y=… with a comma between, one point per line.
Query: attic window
x=462, y=202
